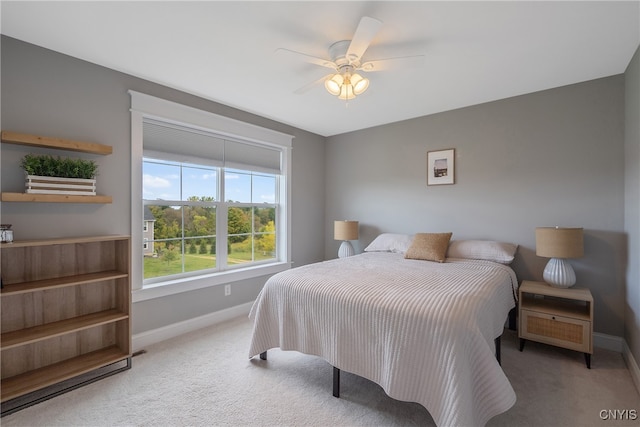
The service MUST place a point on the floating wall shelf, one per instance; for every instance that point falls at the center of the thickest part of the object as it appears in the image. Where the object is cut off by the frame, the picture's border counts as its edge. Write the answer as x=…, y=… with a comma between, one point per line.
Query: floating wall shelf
x=60, y=144
x=54, y=198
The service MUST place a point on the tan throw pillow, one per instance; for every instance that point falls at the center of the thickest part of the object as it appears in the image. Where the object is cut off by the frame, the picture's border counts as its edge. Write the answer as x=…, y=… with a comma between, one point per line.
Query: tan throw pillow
x=429, y=246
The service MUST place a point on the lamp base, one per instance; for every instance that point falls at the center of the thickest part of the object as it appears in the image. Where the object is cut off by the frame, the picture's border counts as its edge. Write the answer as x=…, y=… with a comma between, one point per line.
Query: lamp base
x=559, y=273
x=346, y=249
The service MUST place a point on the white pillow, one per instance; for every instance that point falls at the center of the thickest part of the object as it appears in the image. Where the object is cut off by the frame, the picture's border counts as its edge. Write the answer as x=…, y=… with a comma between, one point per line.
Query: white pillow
x=390, y=242
x=482, y=249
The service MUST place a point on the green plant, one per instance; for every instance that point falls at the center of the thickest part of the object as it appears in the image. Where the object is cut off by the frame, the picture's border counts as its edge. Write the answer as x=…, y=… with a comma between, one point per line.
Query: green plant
x=45, y=165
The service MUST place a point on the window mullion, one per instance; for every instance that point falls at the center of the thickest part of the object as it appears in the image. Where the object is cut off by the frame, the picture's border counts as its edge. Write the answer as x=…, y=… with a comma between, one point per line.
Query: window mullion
x=183, y=247
x=222, y=234
x=253, y=230
x=221, y=224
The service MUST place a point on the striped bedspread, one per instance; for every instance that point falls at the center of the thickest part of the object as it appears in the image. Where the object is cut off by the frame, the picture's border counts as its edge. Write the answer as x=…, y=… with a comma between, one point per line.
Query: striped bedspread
x=424, y=331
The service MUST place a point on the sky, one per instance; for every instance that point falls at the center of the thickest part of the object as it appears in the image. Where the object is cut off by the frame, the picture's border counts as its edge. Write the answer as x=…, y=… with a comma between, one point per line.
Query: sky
x=162, y=181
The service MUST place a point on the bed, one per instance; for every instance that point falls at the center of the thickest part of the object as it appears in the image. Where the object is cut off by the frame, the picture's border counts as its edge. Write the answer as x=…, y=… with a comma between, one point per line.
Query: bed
x=424, y=331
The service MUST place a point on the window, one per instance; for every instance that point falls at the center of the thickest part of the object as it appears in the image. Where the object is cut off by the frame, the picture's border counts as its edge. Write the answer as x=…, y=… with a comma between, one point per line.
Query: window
x=182, y=200
x=251, y=216
x=213, y=196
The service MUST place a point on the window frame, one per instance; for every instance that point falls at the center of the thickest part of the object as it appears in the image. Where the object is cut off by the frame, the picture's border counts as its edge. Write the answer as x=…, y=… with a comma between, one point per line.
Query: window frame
x=145, y=106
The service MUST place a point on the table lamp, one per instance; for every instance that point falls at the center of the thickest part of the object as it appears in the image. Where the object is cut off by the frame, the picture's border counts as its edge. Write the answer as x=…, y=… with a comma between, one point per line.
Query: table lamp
x=345, y=231
x=558, y=244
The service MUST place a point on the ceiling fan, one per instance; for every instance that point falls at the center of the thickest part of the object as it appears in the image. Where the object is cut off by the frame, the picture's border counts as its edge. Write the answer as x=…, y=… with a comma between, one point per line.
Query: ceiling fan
x=346, y=61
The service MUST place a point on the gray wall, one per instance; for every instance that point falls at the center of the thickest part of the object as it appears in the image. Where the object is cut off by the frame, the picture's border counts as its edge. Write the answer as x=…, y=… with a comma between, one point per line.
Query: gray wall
x=632, y=203
x=548, y=158
x=50, y=94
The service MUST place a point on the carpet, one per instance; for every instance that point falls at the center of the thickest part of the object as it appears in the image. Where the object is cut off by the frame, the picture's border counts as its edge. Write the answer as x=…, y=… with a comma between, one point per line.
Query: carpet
x=204, y=378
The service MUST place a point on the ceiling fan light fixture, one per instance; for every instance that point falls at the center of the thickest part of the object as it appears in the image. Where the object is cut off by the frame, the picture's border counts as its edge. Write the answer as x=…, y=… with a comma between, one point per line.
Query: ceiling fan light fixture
x=334, y=84
x=345, y=84
x=359, y=83
x=346, y=92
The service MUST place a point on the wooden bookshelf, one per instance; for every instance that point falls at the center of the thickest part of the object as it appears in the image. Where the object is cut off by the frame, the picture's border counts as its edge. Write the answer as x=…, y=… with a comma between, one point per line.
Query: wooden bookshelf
x=65, y=311
x=60, y=282
x=54, y=329
x=36, y=379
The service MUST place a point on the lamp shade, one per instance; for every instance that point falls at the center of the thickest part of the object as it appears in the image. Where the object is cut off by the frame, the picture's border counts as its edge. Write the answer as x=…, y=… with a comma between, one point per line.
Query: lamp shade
x=333, y=84
x=360, y=84
x=346, y=92
x=345, y=230
x=557, y=242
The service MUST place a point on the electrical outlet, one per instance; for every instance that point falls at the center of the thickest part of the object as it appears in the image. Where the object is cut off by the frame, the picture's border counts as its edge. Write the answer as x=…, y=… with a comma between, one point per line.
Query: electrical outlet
x=227, y=290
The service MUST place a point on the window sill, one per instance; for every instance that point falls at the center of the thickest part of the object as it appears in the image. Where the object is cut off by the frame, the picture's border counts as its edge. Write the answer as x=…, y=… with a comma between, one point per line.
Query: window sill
x=163, y=289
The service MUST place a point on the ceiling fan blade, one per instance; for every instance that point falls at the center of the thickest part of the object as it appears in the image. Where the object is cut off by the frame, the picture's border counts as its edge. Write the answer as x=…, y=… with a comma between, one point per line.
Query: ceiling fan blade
x=307, y=87
x=308, y=58
x=392, y=63
x=366, y=31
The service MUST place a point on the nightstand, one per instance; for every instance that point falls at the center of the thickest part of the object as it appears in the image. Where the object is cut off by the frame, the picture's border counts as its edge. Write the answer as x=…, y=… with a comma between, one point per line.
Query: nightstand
x=556, y=316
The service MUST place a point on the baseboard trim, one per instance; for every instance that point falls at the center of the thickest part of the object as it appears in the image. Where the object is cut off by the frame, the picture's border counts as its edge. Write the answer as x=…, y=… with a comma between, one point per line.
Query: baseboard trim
x=143, y=339
x=608, y=342
x=631, y=364
x=618, y=344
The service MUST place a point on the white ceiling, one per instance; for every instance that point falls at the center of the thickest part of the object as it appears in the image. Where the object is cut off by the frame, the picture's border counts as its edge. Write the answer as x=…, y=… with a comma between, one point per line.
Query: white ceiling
x=224, y=51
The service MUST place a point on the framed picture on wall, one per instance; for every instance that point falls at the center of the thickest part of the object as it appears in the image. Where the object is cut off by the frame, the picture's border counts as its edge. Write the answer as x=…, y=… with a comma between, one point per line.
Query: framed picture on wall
x=441, y=167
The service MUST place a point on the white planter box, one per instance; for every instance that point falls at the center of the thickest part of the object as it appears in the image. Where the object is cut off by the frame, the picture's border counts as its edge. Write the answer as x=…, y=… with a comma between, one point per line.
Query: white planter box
x=54, y=185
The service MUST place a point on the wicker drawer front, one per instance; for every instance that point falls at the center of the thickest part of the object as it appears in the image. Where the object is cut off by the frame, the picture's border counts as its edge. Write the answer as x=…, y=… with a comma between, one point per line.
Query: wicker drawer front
x=561, y=331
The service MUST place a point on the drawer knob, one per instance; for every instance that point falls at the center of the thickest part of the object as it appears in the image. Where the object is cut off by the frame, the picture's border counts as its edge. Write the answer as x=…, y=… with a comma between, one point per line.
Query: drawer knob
x=553, y=317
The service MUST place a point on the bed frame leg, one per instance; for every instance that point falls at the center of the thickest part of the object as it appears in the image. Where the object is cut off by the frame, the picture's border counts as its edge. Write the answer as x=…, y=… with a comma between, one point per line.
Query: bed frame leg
x=498, y=355
x=513, y=325
x=263, y=355
x=336, y=382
